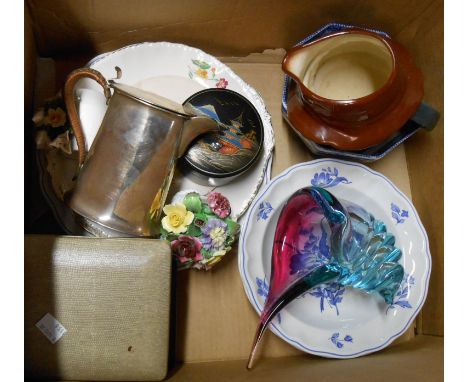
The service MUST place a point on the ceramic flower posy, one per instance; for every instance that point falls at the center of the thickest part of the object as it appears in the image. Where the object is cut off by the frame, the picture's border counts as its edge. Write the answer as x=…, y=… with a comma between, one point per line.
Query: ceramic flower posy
x=53, y=127
x=200, y=232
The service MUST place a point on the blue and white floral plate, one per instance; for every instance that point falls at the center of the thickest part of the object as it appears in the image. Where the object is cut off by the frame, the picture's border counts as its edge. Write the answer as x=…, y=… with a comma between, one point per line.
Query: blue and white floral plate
x=332, y=321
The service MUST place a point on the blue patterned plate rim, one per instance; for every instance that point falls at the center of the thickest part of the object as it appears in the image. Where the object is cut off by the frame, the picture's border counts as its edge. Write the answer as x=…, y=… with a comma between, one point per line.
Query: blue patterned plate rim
x=406, y=132
x=340, y=343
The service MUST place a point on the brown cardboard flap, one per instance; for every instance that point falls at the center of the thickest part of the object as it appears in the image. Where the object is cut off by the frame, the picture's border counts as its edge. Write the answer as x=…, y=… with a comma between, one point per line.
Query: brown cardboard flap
x=421, y=360
x=219, y=27
x=425, y=152
x=29, y=63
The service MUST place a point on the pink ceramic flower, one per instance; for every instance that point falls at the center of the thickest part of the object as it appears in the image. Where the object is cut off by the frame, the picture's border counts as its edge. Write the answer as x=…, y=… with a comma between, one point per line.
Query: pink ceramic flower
x=222, y=83
x=219, y=204
x=187, y=248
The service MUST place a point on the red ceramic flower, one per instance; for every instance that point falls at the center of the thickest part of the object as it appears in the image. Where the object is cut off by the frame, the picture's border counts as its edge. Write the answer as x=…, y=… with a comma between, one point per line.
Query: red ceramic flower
x=187, y=248
x=219, y=204
x=222, y=83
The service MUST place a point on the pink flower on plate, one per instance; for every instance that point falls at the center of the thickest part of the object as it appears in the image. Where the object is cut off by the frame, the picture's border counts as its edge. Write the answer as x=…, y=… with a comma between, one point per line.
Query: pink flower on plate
x=219, y=204
x=187, y=248
x=222, y=83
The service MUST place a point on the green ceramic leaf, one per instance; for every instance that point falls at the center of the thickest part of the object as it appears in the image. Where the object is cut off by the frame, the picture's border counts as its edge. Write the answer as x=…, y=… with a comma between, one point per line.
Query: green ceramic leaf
x=200, y=217
x=229, y=240
x=207, y=210
x=166, y=235
x=185, y=265
x=206, y=254
x=193, y=230
x=193, y=202
x=233, y=227
x=163, y=233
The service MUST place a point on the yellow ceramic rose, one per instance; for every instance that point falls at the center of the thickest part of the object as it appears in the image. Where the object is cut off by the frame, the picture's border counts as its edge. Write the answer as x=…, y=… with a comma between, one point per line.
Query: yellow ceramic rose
x=177, y=218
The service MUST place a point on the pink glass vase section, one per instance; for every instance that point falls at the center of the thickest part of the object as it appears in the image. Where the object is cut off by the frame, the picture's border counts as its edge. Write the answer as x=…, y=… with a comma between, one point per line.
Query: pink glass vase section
x=361, y=253
x=290, y=275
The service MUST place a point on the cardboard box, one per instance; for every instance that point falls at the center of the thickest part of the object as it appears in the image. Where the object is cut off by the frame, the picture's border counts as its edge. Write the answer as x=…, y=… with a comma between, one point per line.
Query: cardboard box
x=215, y=322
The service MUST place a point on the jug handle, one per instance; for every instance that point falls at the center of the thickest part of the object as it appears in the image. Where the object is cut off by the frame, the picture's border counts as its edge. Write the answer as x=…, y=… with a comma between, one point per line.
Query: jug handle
x=68, y=94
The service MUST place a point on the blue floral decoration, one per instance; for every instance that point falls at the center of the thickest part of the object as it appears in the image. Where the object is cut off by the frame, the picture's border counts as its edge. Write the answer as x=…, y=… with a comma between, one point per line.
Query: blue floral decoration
x=339, y=342
x=401, y=296
x=263, y=290
x=332, y=294
x=398, y=214
x=328, y=178
x=314, y=254
x=262, y=287
x=264, y=211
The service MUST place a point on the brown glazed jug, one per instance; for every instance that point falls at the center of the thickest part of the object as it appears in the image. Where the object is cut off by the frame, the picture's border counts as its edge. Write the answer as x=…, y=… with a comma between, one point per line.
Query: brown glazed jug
x=123, y=180
x=353, y=89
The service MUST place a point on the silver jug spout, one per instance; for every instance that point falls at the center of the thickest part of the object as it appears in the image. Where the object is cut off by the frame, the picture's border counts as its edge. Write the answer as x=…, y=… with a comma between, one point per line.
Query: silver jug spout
x=193, y=128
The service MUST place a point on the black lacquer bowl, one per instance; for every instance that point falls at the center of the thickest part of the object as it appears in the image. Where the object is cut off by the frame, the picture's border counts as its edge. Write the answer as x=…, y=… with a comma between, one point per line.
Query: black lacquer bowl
x=218, y=158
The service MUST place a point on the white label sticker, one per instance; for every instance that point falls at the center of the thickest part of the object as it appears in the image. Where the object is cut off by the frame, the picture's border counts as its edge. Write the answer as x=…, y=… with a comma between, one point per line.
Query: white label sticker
x=51, y=328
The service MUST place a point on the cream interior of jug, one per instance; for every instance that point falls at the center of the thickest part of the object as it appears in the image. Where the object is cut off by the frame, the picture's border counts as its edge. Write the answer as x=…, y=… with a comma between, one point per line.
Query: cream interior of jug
x=346, y=67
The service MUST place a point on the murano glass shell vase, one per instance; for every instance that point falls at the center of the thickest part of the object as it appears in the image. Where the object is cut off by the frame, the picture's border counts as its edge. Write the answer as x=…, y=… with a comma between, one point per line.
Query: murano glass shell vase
x=362, y=253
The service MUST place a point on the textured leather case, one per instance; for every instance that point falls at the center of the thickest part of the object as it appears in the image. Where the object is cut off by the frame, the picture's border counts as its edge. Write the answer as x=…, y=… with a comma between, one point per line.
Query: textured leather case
x=113, y=298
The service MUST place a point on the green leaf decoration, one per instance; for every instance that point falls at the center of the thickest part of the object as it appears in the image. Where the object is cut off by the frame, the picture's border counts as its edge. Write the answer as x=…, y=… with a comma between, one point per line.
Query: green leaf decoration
x=200, y=217
x=207, y=210
x=229, y=240
x=163, y=233
x=166, y=235
x=233, y=227
x=206, y=254
x=201, y=64
x=185, y=265
x=172, y=237
x=193, y=202
x=193, y=230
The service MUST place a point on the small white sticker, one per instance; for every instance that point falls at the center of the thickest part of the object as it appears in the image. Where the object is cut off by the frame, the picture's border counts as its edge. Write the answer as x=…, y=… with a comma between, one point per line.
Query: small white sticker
x=51, y=328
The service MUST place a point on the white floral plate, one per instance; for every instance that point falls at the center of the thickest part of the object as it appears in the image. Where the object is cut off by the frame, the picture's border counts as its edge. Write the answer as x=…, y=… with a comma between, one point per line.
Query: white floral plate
x=332, y=321
x=175, y=71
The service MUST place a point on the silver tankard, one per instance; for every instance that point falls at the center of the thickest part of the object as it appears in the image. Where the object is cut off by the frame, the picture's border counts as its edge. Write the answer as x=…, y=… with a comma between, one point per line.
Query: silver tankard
x=123, y=180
